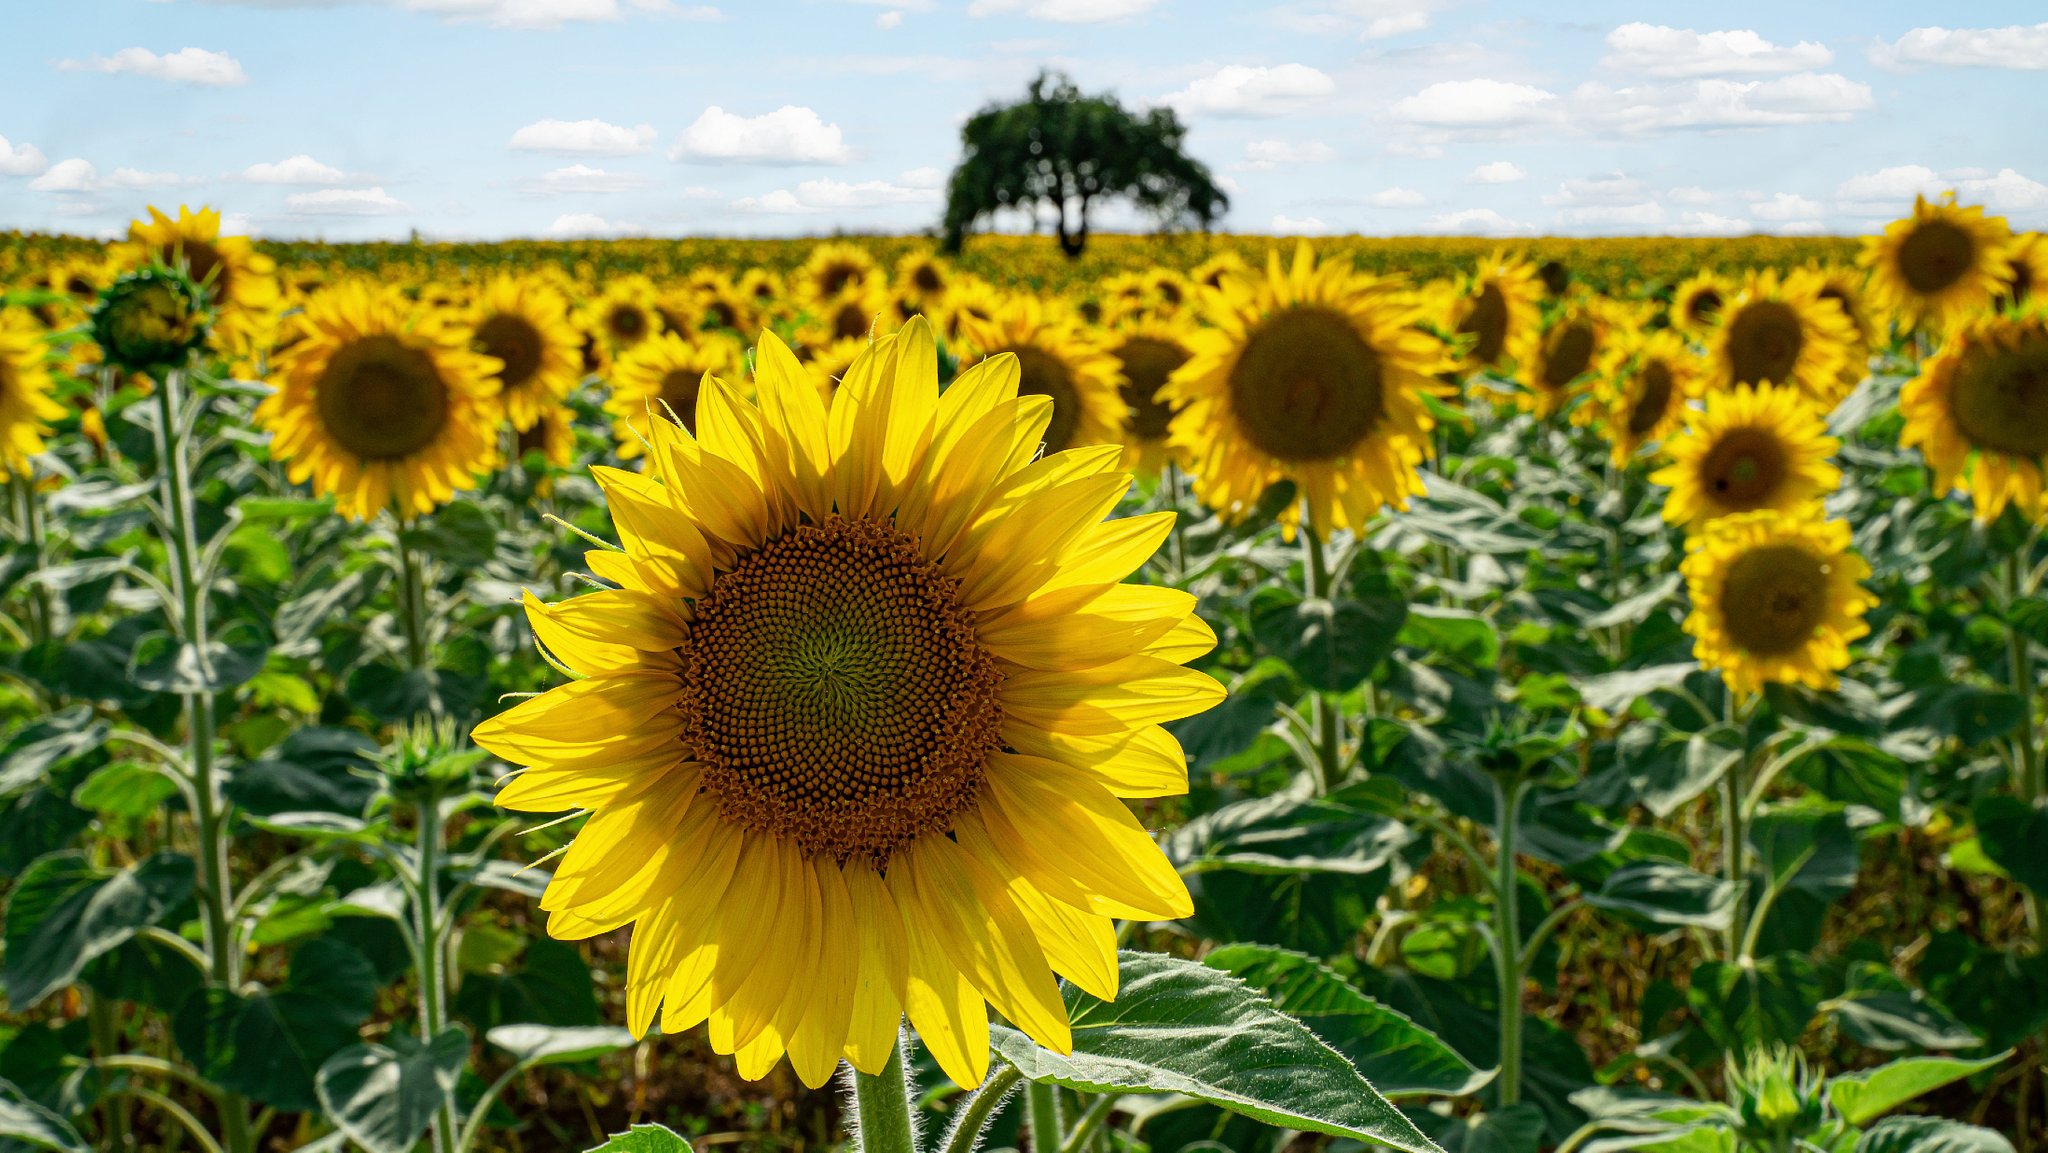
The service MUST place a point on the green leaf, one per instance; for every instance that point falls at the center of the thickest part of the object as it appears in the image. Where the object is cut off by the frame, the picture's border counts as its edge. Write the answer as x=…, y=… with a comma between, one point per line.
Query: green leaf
x=1332, y=645
x=1399, y=1057
x=1182, y=1027
x=163, y=664
x=1929, y=1135
x=315, y=770
x=23, y=1120
x=384, y=1097
x=1614, y=692
x=2012, y=832
x=552, y=1045
x=125, y=789
x=1459, y=634
x=269, y=1044
x=1891, y=1020
x=1677, y=1139
x=1515, y=1129
x=1665, y=894
x=1286, y=834
x=1747, y=1005
x=1861, y=1098
x=647, y=1138
x=31, y=754
x=66, y=912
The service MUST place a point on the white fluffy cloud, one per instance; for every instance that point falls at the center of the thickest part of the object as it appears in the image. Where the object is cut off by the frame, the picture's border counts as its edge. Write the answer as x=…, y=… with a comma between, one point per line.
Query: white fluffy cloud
x=1481, y=103
x=1285, y=225
x=1498, y=172
x=1640, y=215
x=582, y=178
x=1262, y=155
x=344, y=202
x=791, y=134
x=1611, y=189
x=300, y=169
x=583, y=225
x=1064, y=11
x=1802, y=98
x=1367, y=19
x=2020, y=46
x=185, y=66
x=582, y=138
x=827, y=195
x=22, y=159
x=1787, y=206
x=73, y=175
x=1890, y=191
x=1475, y=222
x=1711, y=224
x=1656, y=50
x=1399, y=198
x=893, y=18
x=1242, y=90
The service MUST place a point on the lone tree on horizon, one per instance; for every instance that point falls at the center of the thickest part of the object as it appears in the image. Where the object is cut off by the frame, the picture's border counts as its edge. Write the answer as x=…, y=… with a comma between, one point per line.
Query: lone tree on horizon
x=1059, y=149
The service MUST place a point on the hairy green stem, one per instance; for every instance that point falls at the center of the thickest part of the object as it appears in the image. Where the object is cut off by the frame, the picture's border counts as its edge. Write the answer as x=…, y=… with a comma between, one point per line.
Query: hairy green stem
x=2028, y=780
x=882, y=1106
x=411, y=608
x=1324, y=712
x=1735, y=839
x=1507, y=802
x=1180, y=547
x=433, y=957
x=1090, y=1122
x=210, y=808
x=1044, y=1100
x=973, y=1117
x=106, y=1042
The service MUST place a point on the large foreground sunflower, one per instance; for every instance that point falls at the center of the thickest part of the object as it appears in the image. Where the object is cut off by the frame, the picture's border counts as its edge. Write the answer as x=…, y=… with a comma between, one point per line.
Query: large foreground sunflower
x=1776, y=599
x=1749, y=449
x=238, y=278
x=1940, y=264
x=1780, y=330
x=382, y=404
x=26, y=407
x=1978, y=412
x=1311, y=374
x=1058, y=358
x=524, y=323
x=855, y=724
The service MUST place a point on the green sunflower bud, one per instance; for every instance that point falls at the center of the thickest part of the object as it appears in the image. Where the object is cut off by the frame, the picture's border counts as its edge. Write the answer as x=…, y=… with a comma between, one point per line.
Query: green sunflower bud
x=151, y=320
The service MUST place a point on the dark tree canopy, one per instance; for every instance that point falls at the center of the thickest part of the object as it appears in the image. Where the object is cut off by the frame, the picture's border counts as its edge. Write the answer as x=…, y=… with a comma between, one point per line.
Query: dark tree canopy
x=1061, y=150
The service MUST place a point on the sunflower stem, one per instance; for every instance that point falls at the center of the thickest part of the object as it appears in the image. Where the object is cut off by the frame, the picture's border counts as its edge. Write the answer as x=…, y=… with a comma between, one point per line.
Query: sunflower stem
x=972, y=1118
x=1324, y=713
x=28, y=514
x=2020, y=664
x=411, y=609
x=882, y=1107
x=210, y=809
x=1735, y=837
x=1180, y=546
x=433, y=956
x=1507, y=927
x=1044, y=1100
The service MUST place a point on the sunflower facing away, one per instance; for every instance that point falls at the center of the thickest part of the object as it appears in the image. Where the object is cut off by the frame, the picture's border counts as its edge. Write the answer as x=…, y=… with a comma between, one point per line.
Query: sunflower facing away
x=1501, y=309
x=1779, y=330
x=1940, y=264
x=382, y=404
x=524, y=323
x=238, y=277
x=1314, y=374
x=1978, y=412
x=26, y=407
x=854, y=727
x=1579, y=346
x=1749, y=449
x=667, y=373
x=1058, y=359
x=1646, y=398
x=1776, y=599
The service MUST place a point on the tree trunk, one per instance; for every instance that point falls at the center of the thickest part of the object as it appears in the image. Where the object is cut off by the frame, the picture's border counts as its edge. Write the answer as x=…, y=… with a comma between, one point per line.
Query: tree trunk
x=1072, y=242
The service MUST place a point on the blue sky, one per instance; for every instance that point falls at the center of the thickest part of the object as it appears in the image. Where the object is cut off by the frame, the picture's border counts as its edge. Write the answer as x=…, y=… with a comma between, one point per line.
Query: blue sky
x=493, y=118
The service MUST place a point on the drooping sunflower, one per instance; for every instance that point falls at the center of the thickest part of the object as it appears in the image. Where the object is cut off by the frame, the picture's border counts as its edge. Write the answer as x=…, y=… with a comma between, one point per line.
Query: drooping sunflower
x=553, y=435
x=1578, y=348
x=1779, y=331
x=1776, y=599
x=1843, y=287
x=835, y=267
x=239, y=279
x=622, y=316
x=666, y=372
x=1313, y=374
x=524, y=323
x=2029, y=279
x=382, y=404
x=1148, y=353
x=26, y=406
x=1697, y=302
x=854, y=725
x=1500, y=306
x=1646, y=399
x=1978, y=412
x=1748, y=449
x=1939, y=265
x=1058, y=359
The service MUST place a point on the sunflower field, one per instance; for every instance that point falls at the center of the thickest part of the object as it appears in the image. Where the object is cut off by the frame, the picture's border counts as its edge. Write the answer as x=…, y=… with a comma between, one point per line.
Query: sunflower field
x=1219, y=694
